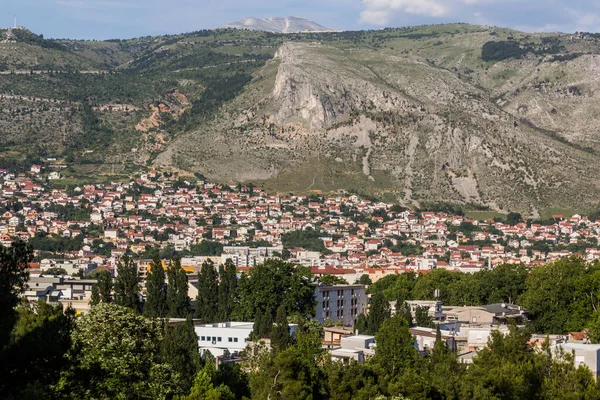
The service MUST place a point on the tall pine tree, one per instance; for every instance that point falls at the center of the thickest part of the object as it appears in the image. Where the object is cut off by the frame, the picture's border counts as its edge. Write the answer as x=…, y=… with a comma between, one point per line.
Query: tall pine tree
x=126, y=284
x=207, y=300
x=177, y=293
x=156, y=299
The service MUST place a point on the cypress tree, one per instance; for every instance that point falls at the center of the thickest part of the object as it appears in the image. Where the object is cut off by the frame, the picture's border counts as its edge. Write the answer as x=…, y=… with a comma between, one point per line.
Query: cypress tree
x=105, y=286
x=227, y=290
x=280, y=334
x=177, y=294
x=180, y=349
x=95, y=299
x=378, y=312
x=126, y=284
x=207, y=300
x=155, y=285
x=403, y=309
x=361, y=324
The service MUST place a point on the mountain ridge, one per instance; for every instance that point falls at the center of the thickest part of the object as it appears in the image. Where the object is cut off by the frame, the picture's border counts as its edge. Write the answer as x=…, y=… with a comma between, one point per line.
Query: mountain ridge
x=443, y=113
x=278, y=25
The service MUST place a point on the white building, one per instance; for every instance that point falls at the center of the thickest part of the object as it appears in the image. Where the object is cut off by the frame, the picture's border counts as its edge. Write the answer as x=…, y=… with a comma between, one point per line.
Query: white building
x=244, y=256
x=585, y=354
x=223, y=337
x=355, y=347
x=340, y=303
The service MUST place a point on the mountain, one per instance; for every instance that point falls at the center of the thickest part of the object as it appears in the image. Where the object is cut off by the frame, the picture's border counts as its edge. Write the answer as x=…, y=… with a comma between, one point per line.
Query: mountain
x=278, y=25
x=471, y=115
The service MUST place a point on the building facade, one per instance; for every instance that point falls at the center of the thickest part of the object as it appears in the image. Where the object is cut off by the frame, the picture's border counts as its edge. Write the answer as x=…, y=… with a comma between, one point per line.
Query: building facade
x=340, y=303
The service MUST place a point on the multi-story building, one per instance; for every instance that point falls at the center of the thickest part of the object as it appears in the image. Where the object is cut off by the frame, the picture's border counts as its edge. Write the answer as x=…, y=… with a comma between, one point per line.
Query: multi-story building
x=340, y=302
x=244, y=256
x=223, y=337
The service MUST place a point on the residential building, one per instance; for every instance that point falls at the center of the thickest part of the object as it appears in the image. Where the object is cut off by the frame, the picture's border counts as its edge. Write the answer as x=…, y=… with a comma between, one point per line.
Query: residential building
x=340, y=303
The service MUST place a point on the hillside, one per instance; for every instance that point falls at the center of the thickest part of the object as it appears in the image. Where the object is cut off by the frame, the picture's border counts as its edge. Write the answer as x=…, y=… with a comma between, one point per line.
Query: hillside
x=416, y=115
x=445, y=113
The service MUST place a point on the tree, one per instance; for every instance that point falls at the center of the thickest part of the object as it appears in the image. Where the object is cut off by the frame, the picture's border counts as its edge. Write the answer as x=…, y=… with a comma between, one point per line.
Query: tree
x=404, y=311
x=180, y=349
x=207, y=300
x=561, y=296
x=286, y=375
x=364, y=279
x=177, y=293
x=32, y=361
x=263, y=324
x=228, y=290
x=116, y=354
x=156, y=298
x=506, y=369
x=126, y=284
x=362, y=325
x=379, y=311
x=14, y=261
x=395, y=351
x=273, y=283
x=422, y=317
x=280, y=334
x=204, y=386
x=332, y=280
x=56, y=271
x=513, y=218
x=102, y=289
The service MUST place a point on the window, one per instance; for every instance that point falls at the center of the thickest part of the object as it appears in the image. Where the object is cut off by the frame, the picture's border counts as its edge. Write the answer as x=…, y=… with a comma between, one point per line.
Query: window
x=230, y=340
x=219, y=339
x=235, y=340
x=203, y=338
x=214, y=338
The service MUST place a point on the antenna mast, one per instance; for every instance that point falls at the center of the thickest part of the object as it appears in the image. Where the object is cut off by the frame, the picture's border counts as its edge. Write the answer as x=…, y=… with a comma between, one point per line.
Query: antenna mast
x=15, y=21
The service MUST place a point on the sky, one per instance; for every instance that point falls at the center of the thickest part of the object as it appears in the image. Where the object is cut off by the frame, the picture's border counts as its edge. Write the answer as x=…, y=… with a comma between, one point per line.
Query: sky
x=105, y=19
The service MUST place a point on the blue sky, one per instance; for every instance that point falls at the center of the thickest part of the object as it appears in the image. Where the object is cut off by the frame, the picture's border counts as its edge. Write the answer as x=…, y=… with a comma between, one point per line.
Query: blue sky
x=102, y=19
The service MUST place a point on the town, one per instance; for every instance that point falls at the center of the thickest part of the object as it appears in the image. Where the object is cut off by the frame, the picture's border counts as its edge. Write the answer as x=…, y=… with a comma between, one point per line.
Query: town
x=348, y=236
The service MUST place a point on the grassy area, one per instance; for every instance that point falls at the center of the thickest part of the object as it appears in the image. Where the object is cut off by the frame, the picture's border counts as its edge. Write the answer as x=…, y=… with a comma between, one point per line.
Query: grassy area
x=547, y=213
x=483, y=215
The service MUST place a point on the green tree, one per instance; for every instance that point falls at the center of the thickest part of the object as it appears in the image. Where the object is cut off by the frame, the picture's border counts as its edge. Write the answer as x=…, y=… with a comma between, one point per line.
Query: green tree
x=126, y=284
x=14, y=261
x=422, y=317
x=404, y=311
x=228, y=290
x=180, y=349
x=507, y=369
x=116, y=354
x=364, y=279
x=332, y=280
x=32, y=361
x=362, y=324
x=156, y=298
x=204, y=386
x=208, y=292
x=395, y=351
x=286, y=375
x=280, y=334
x=273, y=283
x=561, y=296
x=177, y=293
x=102, y=289
x=56, y=271
x=379, y=311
